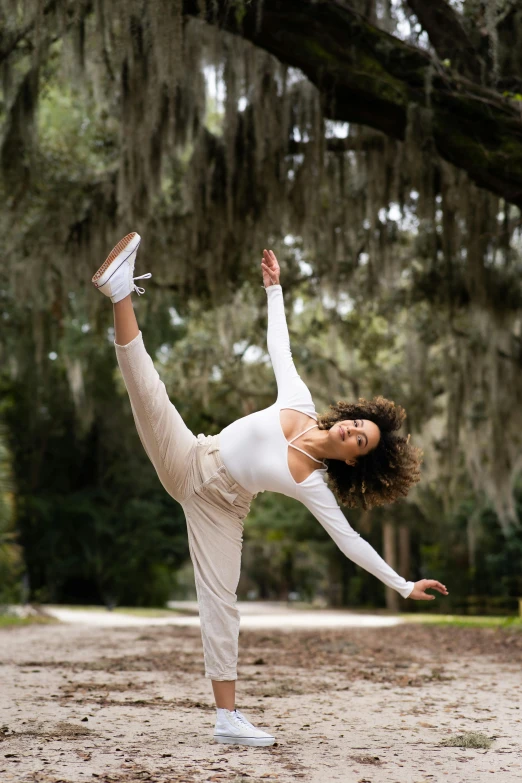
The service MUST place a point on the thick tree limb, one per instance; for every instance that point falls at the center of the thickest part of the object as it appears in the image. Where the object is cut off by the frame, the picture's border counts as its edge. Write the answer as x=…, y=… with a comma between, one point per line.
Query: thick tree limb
x=448, y=36
x=370, y=77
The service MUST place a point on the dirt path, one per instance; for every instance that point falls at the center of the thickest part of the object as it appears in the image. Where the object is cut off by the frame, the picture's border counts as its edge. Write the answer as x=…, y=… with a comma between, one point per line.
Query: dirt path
x=254, y=614
x=357, y=705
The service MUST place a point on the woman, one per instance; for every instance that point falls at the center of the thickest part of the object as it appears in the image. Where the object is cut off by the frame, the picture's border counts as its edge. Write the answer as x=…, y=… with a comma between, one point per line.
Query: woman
x=215, y=477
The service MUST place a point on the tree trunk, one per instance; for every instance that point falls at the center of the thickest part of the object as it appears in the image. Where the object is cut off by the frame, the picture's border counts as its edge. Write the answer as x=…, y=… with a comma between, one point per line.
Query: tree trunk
x=392, y=596
x=404, y=551
x=370, y=77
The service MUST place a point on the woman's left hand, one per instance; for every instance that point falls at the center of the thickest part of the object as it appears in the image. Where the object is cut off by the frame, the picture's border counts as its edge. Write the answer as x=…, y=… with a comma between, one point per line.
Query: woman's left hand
x=418, y=593
x=270, y=269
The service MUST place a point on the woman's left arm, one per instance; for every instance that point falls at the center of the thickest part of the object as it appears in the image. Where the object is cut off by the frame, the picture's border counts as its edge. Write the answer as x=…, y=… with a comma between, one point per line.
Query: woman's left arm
x=320, y=500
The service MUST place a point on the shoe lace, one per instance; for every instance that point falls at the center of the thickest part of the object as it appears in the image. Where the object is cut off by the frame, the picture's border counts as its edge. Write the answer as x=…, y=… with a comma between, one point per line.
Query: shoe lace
x=139, y=290
x=242, y=719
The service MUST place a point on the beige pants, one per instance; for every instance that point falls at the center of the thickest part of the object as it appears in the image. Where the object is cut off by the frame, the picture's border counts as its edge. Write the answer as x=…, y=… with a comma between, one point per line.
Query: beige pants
x=192, y=472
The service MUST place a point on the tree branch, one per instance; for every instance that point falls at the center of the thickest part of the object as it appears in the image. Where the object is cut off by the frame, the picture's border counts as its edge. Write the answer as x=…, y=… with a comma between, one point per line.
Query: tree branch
x=370, y=77
x=448, y=36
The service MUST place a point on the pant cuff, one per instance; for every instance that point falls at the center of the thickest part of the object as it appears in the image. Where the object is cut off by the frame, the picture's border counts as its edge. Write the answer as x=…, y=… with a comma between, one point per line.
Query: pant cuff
x=221, y=676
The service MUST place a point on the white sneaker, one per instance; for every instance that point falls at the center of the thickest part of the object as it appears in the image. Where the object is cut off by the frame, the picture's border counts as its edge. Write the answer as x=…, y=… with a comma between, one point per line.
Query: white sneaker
x=114, y=277
x=233, y=728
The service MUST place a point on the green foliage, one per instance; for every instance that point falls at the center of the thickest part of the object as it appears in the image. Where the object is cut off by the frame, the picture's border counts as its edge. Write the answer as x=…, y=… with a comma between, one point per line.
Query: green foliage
x=465, y=621
x=85, y=504
x=285, y=551
x=77, y=135
x=99, y=546
x=239, y=8
x=11, y=562
x=470, y=739
x=94, y=521
x=7, y=620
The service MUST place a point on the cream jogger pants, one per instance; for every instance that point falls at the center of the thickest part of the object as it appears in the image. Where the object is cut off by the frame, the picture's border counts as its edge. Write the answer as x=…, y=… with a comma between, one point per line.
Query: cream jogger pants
x=192, y=472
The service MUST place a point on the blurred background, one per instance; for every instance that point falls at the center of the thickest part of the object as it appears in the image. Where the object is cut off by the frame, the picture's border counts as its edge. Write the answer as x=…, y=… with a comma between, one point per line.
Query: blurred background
x=376, y=147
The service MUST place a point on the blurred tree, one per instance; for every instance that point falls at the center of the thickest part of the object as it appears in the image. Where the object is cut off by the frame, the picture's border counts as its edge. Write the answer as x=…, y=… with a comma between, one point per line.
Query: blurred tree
x=11, y=561
x=391, y=167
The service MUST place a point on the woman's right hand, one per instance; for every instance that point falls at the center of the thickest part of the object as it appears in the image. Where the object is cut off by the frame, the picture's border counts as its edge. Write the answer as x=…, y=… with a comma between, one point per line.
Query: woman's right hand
x=270, y=269
x=418, y=593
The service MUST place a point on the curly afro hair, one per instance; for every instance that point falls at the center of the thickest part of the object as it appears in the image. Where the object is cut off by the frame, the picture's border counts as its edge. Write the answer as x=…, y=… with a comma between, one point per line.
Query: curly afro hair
x=384, y=474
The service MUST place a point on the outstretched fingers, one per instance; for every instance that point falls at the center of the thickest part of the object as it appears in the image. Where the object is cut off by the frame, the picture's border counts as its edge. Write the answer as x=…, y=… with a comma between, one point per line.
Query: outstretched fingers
x=270, y=268
x=432, y=584
x=267, y=271
x=419, y=591
x=271, y=260
x=437, y=586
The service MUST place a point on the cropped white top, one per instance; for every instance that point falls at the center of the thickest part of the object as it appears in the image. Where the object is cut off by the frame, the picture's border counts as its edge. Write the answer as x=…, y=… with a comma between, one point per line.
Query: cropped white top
x=255, y=452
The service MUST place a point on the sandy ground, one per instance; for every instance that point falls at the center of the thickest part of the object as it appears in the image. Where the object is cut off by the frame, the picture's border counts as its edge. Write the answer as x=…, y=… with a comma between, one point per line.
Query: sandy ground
x=357, y=705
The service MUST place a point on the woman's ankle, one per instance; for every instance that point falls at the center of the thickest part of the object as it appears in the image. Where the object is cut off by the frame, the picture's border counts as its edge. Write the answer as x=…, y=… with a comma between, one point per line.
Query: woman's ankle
x=126, y=327
x=224, y=694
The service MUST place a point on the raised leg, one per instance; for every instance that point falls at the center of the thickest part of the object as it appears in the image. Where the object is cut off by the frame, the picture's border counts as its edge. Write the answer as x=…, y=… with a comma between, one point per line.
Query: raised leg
x=165, y=437
x=125, y=324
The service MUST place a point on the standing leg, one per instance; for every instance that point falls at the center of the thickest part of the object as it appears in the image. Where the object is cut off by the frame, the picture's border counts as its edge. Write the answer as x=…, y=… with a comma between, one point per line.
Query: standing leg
x=215, y=541
x=225, y=694
x=215, y=514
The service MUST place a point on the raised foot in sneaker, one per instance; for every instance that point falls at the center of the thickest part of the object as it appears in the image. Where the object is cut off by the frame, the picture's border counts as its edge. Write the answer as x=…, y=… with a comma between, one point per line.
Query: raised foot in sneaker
x=233, y=728
x=115, y=276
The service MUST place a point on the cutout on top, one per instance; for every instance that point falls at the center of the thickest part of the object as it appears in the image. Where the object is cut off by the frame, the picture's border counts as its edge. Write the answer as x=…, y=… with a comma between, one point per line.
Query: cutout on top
x=293, y=423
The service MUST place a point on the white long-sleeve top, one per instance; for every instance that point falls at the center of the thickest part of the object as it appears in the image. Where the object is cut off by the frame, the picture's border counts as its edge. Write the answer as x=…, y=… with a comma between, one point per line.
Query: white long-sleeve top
x=255, y=452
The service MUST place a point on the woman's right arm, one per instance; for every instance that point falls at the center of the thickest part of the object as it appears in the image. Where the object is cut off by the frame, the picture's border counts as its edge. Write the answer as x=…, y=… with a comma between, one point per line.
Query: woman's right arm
x=270, y=268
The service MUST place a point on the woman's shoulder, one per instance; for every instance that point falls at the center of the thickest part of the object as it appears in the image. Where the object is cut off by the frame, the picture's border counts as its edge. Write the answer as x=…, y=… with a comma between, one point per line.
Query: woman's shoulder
x=316, y=487
x=294, y=420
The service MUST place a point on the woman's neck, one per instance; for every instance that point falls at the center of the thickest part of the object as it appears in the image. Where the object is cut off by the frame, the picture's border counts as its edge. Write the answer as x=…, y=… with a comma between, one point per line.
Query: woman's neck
x=316, y=443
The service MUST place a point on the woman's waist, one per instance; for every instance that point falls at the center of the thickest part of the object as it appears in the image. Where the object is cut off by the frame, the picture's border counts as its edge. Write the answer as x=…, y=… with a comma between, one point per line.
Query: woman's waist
x=259, y=469
x=212, y=462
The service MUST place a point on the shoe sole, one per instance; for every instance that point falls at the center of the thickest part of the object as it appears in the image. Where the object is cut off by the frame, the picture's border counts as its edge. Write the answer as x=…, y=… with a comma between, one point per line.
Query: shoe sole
x=257, y=741
x=113, y=255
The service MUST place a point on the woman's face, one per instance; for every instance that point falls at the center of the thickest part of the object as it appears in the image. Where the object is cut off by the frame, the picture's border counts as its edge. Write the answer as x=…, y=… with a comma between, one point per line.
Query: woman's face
x=354, y=438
